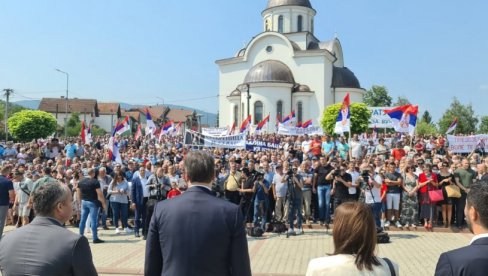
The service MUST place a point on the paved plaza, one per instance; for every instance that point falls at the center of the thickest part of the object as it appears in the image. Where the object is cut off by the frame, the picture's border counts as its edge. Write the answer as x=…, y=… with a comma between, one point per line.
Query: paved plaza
x=415, y=251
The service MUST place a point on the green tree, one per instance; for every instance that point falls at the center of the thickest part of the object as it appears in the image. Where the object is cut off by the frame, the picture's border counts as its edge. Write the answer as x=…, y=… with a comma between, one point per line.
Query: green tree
x=377, y=96
x=426, y=117
x=400, y=101
x=424, y=128
x=360, y=115
x=31, y=124
x=467, y=120
x=484, y=125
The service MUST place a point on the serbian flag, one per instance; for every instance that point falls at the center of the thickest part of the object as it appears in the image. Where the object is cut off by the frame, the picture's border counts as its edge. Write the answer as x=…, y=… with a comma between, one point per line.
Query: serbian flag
x=138, y=133
x=232, y=129
x=166, y=129
x=307, y=124
x=299, y=125
x=404, y=118
x=83, y=132
x=453, y=126
x=150, y=126
x=290, y=119
x=122, y=127
x=262, y=124
x=343, y=122
x=245, y=125
x=113, y=150
x=176, y=130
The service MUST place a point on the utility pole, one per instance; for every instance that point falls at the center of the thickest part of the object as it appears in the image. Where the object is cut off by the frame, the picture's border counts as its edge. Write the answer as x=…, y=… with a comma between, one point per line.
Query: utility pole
x=8, y=91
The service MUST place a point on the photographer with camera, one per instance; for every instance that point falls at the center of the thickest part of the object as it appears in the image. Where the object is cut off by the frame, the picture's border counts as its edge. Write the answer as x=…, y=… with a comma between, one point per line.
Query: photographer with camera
x=294, y=199
x=371, y=186
x=261, y=190
x=232, y=184
x=247, y=191
x=341, y=185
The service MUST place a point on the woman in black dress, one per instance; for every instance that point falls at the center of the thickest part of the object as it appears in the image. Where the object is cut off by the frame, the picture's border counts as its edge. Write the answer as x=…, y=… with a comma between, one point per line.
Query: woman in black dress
x=445, y=179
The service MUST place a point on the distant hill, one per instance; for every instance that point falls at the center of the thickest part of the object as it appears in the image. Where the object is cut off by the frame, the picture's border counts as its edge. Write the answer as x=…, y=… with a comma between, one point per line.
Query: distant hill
x=207, y=118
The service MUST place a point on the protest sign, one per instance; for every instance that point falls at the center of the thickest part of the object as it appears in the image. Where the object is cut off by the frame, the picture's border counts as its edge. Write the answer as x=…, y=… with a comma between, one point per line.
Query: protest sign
x=215, y=131
x=379, y=118
x=466, y=144
x=261, y=145
x=298, y=131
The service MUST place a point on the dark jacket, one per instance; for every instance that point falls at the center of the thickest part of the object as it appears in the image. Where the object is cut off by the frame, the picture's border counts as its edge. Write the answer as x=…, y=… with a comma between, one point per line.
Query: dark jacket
x=137, y=195
x=471, y=260
x=45, y=247
x=197, y=234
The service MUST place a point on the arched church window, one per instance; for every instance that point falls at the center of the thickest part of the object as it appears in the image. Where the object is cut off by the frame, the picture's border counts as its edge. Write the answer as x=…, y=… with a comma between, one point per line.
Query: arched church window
x=280, y=24
x=279, y=110
x=300, y=23
x=300, y=112
x=258, y=112
x=236, y=114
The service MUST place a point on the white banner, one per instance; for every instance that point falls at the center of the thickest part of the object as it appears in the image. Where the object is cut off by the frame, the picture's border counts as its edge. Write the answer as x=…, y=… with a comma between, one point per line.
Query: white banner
x=466, y=144
x=379, y=118
x=227, y=142
x=215, y=131
x=298, y=131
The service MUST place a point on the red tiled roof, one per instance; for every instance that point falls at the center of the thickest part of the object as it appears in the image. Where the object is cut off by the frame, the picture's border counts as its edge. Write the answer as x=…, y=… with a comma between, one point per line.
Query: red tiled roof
x=179, y=115
x=54, y=105
x=108, y=108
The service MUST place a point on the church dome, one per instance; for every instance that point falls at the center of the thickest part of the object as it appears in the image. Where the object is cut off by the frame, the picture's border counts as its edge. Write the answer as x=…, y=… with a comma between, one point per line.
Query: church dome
x=302, y=88
x=270, y=71
x=277, y=3
x=344, y=78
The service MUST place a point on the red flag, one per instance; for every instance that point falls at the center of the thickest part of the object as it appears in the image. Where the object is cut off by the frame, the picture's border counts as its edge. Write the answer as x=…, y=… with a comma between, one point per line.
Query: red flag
x=232, y=129
x=83, y=133
x=262, y=123
x=138, y=133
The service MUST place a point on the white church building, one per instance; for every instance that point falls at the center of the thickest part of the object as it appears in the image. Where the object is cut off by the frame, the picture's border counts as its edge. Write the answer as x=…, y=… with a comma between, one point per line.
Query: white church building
x=283, y=69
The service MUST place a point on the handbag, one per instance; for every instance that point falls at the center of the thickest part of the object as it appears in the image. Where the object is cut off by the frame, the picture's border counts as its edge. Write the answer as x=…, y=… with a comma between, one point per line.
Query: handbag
x=436, y=195
x=453, y=191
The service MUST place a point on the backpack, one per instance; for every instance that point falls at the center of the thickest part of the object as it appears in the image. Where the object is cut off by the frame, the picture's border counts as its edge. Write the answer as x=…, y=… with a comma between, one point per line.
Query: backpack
x=255, y=231
x=382, y=237
x=277, y=227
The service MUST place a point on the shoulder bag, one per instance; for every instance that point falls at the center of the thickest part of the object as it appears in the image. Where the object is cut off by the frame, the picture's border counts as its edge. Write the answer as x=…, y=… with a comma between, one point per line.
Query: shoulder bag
x=453, y=191
x=390, y=266
x=435, y=195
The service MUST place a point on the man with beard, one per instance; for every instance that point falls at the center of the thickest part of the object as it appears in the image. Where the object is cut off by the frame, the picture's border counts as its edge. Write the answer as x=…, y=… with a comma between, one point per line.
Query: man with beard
x=472, y=259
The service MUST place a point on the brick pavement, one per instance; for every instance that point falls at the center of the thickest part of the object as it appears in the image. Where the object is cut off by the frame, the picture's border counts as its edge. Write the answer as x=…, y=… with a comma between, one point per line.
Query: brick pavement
x=416, y=252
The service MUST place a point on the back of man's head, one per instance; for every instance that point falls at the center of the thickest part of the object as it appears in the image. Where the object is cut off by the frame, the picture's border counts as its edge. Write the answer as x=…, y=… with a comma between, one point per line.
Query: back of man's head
x=47, y=197
x=478, y=199
x=199, y=167
x=46, y=170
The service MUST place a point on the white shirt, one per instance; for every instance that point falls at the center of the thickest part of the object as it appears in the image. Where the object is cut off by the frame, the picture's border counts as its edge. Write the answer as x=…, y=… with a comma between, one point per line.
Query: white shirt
x=356, y=149
x=306, y=146
x=477, y=237
x=343, y=265
x=373, y=196
x=354, y=176
x=280, y=185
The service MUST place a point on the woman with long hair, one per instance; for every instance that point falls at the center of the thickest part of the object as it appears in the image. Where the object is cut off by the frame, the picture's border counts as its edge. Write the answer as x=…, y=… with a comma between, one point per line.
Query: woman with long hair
x=427, y=182
x=354, y=237
x=410, y=202
x=445, y=179
x=118, y=191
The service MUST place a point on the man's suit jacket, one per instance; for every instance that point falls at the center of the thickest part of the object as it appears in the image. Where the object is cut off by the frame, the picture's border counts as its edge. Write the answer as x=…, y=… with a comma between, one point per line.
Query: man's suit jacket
x=45, y=247
x=470, y=260
x=137, y=194
x=197, y=234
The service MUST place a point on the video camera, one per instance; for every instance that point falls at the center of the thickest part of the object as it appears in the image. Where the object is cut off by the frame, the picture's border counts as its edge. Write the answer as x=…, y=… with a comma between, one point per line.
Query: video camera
x=336, y=173
x=365, y=176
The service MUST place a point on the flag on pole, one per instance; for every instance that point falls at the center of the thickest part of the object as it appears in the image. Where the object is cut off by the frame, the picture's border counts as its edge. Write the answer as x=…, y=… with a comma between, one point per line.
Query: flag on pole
x=138, y=133
x=290, y=119
x=299, y=125
x=83, y=132
x=176, y=130
x=262, y=124
x=113, y=149
x=166, y=129
x=122, y=127
x=453, y=126
x=150, y=126
x=232, y=128
x=88, y=135
x=404, y=118
x=307, y=124
x=343, y=122
x=245, y=125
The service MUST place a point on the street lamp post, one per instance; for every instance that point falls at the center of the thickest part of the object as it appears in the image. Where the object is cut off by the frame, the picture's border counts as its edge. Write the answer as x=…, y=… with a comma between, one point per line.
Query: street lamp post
x=66, y=99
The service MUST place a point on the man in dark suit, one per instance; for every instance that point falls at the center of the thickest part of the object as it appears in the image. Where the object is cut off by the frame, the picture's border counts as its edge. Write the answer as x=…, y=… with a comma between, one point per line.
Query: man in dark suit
x=140, y=195
x=197, y=233
x=473, y=259
x=45, y=247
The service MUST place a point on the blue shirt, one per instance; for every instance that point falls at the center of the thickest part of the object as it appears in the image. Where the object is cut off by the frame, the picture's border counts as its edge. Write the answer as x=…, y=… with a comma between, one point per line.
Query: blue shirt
x=260, y=194
x=328, y=146
x=70, y=150
x=5, y=186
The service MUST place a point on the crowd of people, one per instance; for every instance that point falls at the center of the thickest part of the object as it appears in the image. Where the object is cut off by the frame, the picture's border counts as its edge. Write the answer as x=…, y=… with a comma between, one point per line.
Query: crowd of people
x=406, y=181
x=403, y=181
